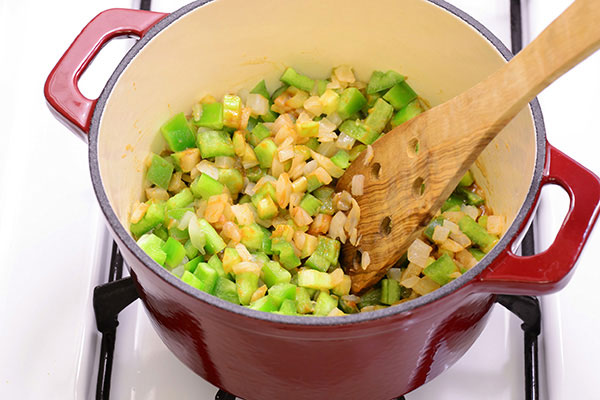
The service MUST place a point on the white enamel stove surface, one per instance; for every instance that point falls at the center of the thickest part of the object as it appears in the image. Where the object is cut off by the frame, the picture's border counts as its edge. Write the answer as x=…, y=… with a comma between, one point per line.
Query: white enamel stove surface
x=54, y=245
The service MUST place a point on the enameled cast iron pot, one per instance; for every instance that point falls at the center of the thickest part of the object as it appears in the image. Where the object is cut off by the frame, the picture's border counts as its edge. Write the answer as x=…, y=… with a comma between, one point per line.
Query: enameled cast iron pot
x=224, y=45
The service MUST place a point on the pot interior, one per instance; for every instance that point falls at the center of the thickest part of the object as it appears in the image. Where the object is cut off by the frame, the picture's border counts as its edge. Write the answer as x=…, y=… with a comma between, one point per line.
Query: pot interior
x=227, y=45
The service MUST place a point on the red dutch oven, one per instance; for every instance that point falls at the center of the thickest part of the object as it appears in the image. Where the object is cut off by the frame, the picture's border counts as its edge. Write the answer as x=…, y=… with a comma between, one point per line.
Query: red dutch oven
x=225, y=45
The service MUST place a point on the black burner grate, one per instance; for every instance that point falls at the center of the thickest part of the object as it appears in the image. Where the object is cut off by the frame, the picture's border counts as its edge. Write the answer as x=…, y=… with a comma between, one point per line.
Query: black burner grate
x=111, y=298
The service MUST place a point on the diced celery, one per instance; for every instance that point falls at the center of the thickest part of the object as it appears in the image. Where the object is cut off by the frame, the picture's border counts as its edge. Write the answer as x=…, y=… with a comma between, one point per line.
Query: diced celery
x=287, y=256
x=193, y=264
x=381, y=81
x=304, y=304
x=288, y=307
x=325, y=303
x=478, y=254
x=292, y=78
x=160, y=171
x=321, y=86
x=215, y=263
x=246, y=283
x=477, y=233
x=410, y=111
x=310, y=204
x=390, y=291
x=252, y=237
x=313, y=279
x=231, y=257
x=265, y=304
x=178, y=134
x=273, y=273
x=466, y=180
x=472, y=197
x=439, y=271
x=453, y=200
x=351, y=101
x=371, y=298
x=356, y=150
x=215, y=144
x=341, y=159
x=190, y=250
x=380, y=115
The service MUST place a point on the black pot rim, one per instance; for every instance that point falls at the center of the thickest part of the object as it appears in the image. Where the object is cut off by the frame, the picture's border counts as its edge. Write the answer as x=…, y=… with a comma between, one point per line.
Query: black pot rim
x=445, y=290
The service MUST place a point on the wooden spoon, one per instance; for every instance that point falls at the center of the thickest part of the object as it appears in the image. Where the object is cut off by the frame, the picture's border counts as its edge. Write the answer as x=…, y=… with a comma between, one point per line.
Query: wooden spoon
x=404, y=188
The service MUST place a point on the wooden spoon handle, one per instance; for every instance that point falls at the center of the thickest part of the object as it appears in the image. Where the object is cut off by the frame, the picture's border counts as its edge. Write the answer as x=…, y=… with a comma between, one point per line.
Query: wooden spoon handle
x=492, y=103
x=421, y=161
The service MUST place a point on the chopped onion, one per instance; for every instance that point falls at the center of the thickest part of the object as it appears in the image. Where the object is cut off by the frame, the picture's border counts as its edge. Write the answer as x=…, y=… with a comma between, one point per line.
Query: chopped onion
x=310, y=167
x=454, y=216
x=440, y=234
x=337, y=276
x=394, y=273
x=357, y=184
x=342, y=201
x=344, y=73
x=418, y=252
x=277, y=167
x=197, y=236
x=451, y=245
x=243, y=214
x=322, y=176
x=351, y=298
x=495, y=224
x=257, y=103
x=232, y=231
x=326, y=163
x=353, y=238
x=283, y=190
x=345, y=142
x=243, y=252
x=285, y=153
x=353, y=217
x=326, y=126
x=157, y=193
x=451, y=226
x=246, y=266
x=185, y=220
x=466, y=259
x=259, y=293
x=224, y=162
x=365, y=260
x=300, y=216
x=196, y=111
x=281, y=121
x=326, y=137
x=424, y=286
x=336, y=312
x=215, y=208
x=208, y=168
x=313, y=105
x=300, y=185
x=368, y=155
x=410, y=282
x=336, y=227
x=335, y=119
x=138, y=212
x=327, y=149
x=249, y=189
x=471, y=211
x=461, y=239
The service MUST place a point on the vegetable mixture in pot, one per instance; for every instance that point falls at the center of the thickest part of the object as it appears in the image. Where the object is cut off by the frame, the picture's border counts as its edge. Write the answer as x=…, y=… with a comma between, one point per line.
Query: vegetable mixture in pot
x=242, y=202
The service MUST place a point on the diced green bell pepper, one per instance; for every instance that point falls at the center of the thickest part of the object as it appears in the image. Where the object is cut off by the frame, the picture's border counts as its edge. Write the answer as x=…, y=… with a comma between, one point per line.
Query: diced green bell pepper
x=175, y=252
x=212, y=116
x=215, y=263
x=207, y=277
x=265, y=151
x=255, y=173
x=232, y=107
x=288, y=307
x=265, y=304
x=371, y=298
x=192, y=264
x=160, y=171
x=215, y=144
x=204, y=186
x=178, y=134
x=466, y=180
x=226, y=290
x=190, y=250
x=400, y=95
x=304, y=304
x=152, y=245
x=180, y=200
x=155, y=215
x=259, y=133
x=214, y=242
x=273, y=273
x=233, y=179
x=287, y=256
x=261, y=88
x=359, y=131
x=282, y=291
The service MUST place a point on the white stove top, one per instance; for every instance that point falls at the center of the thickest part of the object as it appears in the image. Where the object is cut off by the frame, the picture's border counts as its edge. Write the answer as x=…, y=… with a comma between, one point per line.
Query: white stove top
x=54, y=245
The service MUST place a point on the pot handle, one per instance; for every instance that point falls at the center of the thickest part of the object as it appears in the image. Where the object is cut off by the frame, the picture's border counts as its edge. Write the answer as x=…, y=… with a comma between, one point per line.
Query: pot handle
x=64, y=99
x=550, y=270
